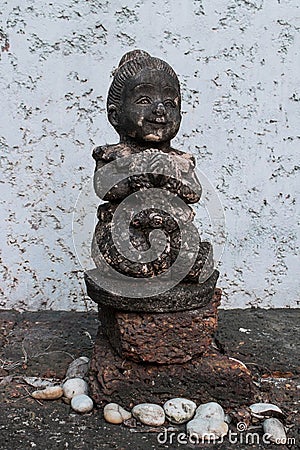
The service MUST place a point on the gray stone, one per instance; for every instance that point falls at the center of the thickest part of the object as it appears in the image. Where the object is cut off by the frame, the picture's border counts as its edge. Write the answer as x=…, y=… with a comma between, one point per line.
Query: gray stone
x=114, y=413
x=211, y=411
x=78, y=368
x=207, y=429
x=179, y=410
x=149, y=414
x=261, y=410
x=39, y=383
x=275, y=431
x=82, y=403
x=75, y=386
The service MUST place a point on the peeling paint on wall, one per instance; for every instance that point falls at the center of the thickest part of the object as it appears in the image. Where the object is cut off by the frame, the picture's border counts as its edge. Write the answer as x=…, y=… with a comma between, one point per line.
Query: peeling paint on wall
x=238, y=62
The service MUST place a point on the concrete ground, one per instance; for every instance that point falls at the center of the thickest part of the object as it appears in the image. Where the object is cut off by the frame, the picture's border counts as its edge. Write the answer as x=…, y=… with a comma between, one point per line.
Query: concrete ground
x=42, y=344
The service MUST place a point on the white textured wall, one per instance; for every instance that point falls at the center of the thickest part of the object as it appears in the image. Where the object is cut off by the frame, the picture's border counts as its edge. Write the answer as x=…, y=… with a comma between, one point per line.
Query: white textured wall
x=238, y=62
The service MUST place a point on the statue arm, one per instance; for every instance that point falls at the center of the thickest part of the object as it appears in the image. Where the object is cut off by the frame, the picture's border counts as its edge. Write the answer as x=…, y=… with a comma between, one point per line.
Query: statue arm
x=185, y=182
x=190, y=193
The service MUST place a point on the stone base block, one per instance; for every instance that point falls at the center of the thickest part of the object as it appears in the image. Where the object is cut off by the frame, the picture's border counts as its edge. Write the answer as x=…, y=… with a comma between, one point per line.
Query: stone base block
x=182, y=297
x=212, y=377
x=163, y=338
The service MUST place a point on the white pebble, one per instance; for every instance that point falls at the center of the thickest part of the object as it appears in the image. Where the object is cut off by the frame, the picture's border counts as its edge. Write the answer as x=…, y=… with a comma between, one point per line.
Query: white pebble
x=149, y=414
x=211, y=410
x=114, y=413
x=75, y=386
x=39, y=382
x=179, y=410
x=82, y=403
x=207, y=429
x=275, y=431
x=261, y=410
x=50, y=393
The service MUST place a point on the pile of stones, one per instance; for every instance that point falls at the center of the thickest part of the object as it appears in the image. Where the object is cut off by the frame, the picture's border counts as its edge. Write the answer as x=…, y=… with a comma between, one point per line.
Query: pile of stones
x=74, y=389
x=207, y=421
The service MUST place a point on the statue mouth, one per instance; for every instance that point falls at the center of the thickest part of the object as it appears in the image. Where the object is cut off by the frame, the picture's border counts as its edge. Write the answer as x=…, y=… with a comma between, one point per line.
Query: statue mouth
x=158, y=120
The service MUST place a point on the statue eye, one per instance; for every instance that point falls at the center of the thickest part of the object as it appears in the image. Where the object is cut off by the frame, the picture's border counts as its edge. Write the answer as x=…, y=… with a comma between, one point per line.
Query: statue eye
x=144, y=101
x=169, y=102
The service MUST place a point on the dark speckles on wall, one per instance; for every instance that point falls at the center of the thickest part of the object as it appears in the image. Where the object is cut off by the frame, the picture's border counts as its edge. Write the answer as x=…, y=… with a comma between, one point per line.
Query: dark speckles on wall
x=237, y=63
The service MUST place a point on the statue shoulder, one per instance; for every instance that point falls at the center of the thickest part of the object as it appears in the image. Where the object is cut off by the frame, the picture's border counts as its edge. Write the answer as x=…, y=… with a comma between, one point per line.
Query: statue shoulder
x=188, y=157
x=111, y=152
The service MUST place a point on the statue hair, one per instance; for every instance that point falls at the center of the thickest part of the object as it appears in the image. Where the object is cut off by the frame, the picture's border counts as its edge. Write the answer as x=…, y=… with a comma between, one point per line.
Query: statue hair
x=129, y=66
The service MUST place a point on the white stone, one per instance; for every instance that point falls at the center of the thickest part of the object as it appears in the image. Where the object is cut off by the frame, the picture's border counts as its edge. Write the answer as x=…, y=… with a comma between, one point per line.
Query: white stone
x=275, y=431
x=261, y=410
x=207, y=429
x=114, y=413
x=179, y=410
x=149, y=414
x=82, y=403
x=211, y=410
x=75, y=386
x=49, y=393
x=39, y=382
x=78, y=368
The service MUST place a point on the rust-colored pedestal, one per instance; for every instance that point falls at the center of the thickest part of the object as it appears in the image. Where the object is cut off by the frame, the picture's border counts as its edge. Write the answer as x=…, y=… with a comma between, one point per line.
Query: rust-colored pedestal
x=152, y=357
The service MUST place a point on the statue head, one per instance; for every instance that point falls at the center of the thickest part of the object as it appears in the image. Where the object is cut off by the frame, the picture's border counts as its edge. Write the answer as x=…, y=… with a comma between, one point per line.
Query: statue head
x=144, y=100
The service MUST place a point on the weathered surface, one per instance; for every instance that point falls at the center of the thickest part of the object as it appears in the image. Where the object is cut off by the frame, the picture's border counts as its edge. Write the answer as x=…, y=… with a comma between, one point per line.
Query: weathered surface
x=240, y=100
x=182, y=297
x=24, y=422
x=211, y=377
x=51, y=337
x=161, y=337
x=145, y=229
x=256, y=331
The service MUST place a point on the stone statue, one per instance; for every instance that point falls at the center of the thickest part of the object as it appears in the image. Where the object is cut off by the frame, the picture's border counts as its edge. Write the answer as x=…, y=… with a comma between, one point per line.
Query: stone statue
x=155, y=342
x=143, y=106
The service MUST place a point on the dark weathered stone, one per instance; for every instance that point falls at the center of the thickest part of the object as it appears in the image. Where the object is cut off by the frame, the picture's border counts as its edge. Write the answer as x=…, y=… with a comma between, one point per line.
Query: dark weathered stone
x=157, y=337
x=212, y=377
x=143, y=106
x=182, y=297
x=161, y=337
x=142, y=225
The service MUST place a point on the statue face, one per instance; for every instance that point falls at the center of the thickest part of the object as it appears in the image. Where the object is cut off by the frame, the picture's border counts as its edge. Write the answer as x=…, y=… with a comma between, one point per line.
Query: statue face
x=149, y=108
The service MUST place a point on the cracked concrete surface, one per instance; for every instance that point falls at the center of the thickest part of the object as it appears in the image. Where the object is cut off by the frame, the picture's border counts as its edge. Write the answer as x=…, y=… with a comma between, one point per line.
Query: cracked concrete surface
x=42, y=344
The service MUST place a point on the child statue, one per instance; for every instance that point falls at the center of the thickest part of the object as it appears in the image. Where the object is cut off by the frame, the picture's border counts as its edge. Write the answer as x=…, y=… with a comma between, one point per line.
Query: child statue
x=144, y=107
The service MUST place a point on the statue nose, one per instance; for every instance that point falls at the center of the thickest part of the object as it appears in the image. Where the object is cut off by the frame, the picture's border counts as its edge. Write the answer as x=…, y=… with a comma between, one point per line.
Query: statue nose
x=159, y=109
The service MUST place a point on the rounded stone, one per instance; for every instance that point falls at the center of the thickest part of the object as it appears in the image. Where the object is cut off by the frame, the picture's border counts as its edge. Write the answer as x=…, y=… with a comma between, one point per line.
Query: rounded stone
x=211, y=410
x=75, y=386
x=275, y=431
x=149, y=414
x=114, y=413
x=82, y=403
x=179, y=410
x=49, y=393
x=207, y=429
